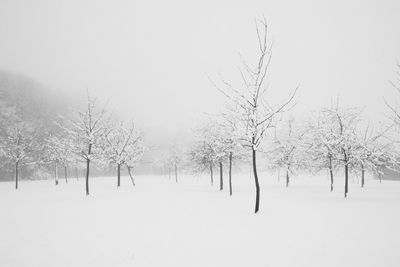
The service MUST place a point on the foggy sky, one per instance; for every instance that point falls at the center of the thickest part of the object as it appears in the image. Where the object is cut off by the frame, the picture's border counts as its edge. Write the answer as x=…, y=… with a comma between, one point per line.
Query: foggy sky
x=150, y=59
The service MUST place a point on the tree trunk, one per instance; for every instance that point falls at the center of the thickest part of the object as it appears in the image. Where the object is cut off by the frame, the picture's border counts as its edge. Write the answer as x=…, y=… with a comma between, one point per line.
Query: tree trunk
x=16, y=175
x=87, y=176
x=56, y=173
x=279, y=175
x=346, y=179
x=287, y=177
x=169, y=173
x=212, y=175
x=76, y=172
x=129, y=171
x=221, y=178
x=118, y=175
x=176, y=173
x=362, y=176
x=87, y=169
x=256, y=180
x=65, y=175
x=331, y=172
x=230, y=173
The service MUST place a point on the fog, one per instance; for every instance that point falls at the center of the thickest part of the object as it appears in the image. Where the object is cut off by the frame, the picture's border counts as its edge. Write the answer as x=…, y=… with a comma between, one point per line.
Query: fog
x=151, y=59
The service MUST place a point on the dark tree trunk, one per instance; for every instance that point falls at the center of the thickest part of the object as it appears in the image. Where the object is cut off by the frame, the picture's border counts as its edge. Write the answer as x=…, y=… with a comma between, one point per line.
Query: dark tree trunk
x=212, y=174
x=331, y=172
x=16, y=174
x=87, y=176
x=346, y=179
x=287, y=177
x=87, y=169
x=129, y=171
x=65, y=175
x=256, y=180
x=221, y=178
x=118, y=175
x=362, y=176
x=230, y=173
x=56, y=173
x=176, y=173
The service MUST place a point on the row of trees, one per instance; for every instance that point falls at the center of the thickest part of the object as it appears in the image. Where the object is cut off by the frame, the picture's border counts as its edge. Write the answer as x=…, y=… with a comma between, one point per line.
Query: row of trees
x=334, y=139
x=331, y=140
x=90, y=135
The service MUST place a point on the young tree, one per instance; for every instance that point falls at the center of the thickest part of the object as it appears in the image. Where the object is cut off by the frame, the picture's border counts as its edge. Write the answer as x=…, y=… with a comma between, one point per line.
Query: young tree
x=163, y=162
x=86, y=132
x=229, y=144
x=252, y=112
x=322, y=142
x=343, y=122
x=18, y=142
x=288, y=151
x=122, y=146
x=203, y=153
x=372, y=152
x=135, y=158
x=174, y=159
x=59, y=151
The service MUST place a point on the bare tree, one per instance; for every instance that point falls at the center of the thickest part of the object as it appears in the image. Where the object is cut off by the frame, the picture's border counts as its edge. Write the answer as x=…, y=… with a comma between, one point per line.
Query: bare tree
x=344, y=123
x=250, y=108
x=18, y=142
x=287, y=150
x=373, y=152
x=394, y=108
x=322, y=142
x=174, y=159
x=122, y=146
x=203, y=154
x=59, y=151
x=86, y=131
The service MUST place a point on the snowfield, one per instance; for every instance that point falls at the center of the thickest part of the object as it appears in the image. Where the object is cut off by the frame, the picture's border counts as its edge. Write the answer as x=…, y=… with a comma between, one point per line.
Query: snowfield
x=161, y=223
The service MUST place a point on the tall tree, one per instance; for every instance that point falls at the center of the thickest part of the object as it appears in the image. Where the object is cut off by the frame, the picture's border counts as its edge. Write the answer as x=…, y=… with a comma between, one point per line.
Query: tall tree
x=250, y=107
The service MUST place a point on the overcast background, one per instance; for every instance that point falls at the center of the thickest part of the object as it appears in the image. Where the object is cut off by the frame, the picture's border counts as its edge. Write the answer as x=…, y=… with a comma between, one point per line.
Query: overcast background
x=150, y=59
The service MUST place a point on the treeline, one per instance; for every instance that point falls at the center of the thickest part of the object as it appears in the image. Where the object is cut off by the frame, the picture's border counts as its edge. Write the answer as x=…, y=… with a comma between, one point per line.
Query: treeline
x=333, y=138
x=42, y=143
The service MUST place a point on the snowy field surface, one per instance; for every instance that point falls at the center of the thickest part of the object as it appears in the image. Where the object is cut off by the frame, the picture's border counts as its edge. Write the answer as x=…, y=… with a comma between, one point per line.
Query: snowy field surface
x=161, y=223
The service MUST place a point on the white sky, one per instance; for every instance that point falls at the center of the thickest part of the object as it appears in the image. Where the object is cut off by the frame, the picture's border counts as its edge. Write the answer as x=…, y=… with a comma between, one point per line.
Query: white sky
x=150, y=58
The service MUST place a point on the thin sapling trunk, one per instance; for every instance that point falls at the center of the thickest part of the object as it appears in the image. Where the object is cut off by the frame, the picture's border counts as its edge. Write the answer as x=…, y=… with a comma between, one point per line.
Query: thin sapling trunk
x=230, y=173
x=118, y=175
x=65, y=175
x=16, y=174
x=257, y=184
x=212, y=174
x=221, y=179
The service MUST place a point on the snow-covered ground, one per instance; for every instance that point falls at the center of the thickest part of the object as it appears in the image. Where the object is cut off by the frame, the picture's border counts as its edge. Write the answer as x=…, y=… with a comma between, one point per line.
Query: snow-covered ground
x=160, y=223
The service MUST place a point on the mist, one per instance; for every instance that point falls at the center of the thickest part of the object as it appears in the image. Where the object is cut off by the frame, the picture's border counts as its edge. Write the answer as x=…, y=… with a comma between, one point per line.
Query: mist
x=151, y=60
